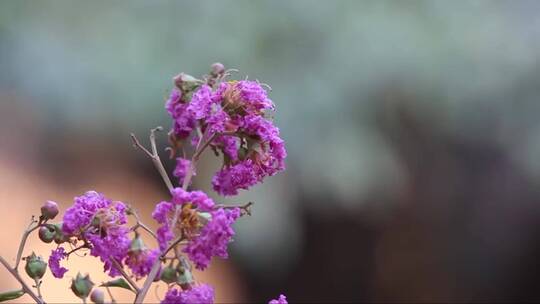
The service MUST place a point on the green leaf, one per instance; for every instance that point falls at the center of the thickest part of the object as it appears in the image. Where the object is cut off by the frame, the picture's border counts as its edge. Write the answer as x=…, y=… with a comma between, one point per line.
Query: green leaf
x=120, y=282
x=11, y=295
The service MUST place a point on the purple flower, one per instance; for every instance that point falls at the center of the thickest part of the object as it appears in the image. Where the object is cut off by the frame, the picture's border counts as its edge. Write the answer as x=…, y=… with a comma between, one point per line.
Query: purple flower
x=103, y=224
x=183, y=120
x=164, y=235
x=200, y=294
x=198, y=198
x=54, y=262
x=229, y=146
x=141, y=261
x=200, y=105
x=230, y=179
x=281, y=300
x=254, y=95
x=182, y=167
x=164, y=212
x=213, y=238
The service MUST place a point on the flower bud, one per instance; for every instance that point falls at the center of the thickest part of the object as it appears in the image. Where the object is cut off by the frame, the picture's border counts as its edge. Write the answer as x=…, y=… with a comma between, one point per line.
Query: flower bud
x=81, y=286
x=137, y=244
x=217, y=69
x=35, y=266
x=97, y=296
x=47, y=234
x=59, y=236
x=186, y=83
x=49, y=210
x=168, y=275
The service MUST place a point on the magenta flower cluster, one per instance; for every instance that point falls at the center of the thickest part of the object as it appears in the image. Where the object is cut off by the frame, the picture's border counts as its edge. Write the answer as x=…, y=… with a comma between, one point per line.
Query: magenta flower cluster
x=232, y=117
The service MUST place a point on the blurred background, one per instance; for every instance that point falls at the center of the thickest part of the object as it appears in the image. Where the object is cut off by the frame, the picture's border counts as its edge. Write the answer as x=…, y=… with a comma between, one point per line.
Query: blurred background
x=412, y=130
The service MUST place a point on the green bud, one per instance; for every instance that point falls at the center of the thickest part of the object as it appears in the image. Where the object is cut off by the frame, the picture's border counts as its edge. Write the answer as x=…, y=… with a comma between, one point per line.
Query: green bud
x=97, y=296
x=204, y=217
x=168, y=275
x=186, y=83
x=47, y=234
x=35, y=266
x=59, y=236
x=81, y=286
x=137, y=244
x=49, y=210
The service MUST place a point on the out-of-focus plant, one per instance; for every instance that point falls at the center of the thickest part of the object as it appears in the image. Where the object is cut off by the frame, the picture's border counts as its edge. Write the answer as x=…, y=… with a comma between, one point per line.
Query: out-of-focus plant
x=227, y=116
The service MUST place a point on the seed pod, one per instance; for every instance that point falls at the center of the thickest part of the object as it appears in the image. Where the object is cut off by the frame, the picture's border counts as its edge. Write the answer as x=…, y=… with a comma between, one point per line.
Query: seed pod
x=82, y=286
x=47, y=234
x=35, y=266
x=169, y=275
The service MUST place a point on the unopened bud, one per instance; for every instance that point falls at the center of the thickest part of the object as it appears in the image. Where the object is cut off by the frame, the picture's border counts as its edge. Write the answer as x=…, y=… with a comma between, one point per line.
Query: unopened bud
x=168, y=275
x=137, y=244
x=49, y=210
x=46, y=234
x=217, y=69
x=185, y=82
x=81, y=286
x=59, y=236
x=97, y=296
x=35, y=266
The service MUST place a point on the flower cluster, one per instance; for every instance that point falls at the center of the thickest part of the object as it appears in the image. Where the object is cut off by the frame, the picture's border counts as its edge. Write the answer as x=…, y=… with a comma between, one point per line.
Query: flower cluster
x=230, y=115
x=101, y=224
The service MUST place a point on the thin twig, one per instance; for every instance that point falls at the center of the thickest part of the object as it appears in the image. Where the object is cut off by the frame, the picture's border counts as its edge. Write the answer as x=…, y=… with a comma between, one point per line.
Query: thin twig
x=25, y=287
x=38, y=287
x=142, y=225
x=124, y=274
x=154, y=156
x=23, y=240
x=110, y=294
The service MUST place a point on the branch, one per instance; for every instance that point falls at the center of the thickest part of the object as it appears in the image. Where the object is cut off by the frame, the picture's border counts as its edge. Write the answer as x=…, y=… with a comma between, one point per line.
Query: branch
x=23, y=240
x=154, y=156
x=25, y=287
x=142, y=225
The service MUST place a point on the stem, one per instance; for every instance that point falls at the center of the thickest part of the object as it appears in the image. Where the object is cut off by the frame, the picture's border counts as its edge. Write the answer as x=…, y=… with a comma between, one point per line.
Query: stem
x=38, y=287
x=23, y=241
x=25, y=287
x=124, y=274
x=142, y=225
x=110, y=294
x=152, y=275
x=154, y=156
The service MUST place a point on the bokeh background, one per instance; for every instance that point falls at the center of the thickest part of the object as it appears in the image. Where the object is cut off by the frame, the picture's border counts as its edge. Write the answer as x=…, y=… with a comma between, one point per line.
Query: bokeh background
x=412, y=130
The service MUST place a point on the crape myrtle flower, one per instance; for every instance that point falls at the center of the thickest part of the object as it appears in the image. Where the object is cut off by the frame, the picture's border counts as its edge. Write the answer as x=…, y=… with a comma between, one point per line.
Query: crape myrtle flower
x=191, y=203
x=101, y=222
x=233, y=116
x=213, y=238
x=54, y=262
x=199, y=294
x=281, y=300
x=140, y=259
